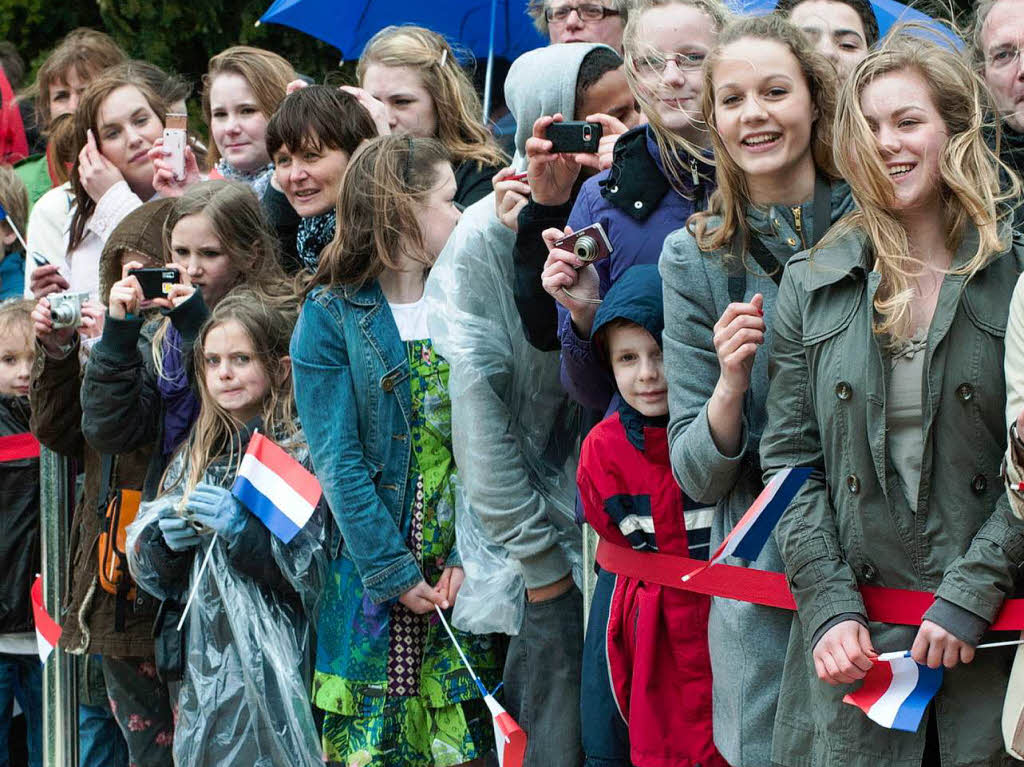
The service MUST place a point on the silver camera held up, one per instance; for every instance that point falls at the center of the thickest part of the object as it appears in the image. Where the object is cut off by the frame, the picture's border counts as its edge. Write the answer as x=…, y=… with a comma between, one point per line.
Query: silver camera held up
x=66, y=309
x=590, y=244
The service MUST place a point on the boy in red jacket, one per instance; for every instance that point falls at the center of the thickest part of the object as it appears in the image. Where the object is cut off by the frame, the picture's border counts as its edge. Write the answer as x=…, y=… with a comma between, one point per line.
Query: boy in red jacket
x=646, y=697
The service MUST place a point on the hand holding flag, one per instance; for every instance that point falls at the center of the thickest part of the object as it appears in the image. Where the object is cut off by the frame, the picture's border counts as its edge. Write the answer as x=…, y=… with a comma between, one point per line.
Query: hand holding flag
x=896, y=691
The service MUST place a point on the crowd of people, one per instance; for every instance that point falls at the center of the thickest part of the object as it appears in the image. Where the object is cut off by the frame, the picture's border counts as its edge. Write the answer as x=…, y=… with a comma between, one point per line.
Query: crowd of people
x=795, y=245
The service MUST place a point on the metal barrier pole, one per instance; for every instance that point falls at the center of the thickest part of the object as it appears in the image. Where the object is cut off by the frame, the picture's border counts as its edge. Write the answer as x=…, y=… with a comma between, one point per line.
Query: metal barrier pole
x=60, y=685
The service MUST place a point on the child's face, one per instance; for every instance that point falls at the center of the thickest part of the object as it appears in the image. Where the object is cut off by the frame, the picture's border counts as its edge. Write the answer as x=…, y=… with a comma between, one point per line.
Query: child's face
x=639, y=370
x=235, y=378
x=16, y=355
x=196, y=247
x=437, y=214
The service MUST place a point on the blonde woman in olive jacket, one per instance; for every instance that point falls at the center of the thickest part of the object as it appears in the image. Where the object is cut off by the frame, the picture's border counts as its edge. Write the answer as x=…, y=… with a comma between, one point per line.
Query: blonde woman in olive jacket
x=887, y=377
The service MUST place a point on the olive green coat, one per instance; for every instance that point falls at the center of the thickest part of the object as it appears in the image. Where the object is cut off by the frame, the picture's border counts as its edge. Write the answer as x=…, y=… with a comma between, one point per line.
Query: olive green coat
x=826, y=409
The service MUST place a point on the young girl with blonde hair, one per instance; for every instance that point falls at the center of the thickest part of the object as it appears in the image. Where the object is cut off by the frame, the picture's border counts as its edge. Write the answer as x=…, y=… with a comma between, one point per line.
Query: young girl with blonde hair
x=426, y=94
x=244, y=688
x=387, y=676
x=768, y=100
x=888, y=356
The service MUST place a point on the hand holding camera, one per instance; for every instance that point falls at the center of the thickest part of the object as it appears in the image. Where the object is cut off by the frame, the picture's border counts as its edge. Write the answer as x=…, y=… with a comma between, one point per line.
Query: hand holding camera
x=53, y=339
x=551, y=174
x=165, y=171
x=143, y=287
x=569, y=274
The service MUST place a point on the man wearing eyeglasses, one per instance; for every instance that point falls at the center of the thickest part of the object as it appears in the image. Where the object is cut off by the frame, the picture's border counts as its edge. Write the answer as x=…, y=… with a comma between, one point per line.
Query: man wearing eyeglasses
x=581, y=21
x=998, y=38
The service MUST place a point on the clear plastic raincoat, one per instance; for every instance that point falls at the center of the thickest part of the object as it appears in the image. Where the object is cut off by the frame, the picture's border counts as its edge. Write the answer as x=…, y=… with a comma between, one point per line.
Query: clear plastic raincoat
x=245, y=688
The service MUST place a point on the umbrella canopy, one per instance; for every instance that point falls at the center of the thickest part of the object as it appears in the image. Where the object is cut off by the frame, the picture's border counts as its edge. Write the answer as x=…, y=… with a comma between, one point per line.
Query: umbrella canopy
x=349, y=24
x=888, y=12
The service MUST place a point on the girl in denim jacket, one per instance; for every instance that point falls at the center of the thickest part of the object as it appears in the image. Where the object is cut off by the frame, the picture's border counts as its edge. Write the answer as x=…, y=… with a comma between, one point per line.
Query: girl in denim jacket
x=387, y=676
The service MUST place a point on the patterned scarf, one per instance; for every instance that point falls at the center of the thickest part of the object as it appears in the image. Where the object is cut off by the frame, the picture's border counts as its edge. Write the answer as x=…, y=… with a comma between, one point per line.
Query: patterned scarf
x=313, y=236
x=256, y=180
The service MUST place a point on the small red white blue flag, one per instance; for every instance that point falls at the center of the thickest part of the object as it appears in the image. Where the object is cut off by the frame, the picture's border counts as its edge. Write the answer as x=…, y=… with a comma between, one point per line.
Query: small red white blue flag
x=896, y=692
x=751, y=533
x=276, y=488
x=47, y=631
x=509, y=738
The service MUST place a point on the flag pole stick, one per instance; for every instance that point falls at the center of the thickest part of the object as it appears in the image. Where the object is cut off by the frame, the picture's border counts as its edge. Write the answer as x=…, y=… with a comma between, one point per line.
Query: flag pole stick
x=199, y=578
x=18, y=235
x=903, y=653
x=458, y=648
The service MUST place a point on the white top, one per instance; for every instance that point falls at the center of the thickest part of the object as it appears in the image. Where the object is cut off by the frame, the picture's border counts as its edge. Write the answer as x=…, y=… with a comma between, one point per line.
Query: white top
x=19, y=644
x=411, y=320
x=45, y=236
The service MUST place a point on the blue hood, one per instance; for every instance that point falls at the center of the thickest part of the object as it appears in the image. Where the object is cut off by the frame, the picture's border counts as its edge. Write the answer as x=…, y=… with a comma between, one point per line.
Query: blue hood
x=635, y=296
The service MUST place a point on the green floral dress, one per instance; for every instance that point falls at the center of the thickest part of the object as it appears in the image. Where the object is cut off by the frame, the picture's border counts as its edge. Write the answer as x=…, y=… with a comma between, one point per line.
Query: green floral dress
x=391, y=682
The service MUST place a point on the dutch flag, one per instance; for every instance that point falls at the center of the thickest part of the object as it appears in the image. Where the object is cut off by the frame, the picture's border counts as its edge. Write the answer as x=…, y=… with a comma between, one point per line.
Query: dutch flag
x=896, y=692
x=47, y=631
x=751, y=533
x=276, y=488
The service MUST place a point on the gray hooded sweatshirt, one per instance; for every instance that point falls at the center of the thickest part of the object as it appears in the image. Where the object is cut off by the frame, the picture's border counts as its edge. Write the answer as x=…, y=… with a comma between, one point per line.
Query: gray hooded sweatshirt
x=513, y=428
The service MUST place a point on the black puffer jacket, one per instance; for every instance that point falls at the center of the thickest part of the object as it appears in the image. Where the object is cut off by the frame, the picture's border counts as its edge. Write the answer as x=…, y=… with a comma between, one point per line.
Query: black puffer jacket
x=19, y=532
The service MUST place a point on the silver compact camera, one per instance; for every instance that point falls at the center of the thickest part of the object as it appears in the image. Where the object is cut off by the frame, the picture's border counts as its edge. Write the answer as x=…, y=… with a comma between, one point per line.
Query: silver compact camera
x=66, y=309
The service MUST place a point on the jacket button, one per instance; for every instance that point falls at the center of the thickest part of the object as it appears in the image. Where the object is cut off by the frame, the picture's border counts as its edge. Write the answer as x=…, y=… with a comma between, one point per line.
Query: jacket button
x=844, y=391
x=979, y=483
x=853, y=484
x=638, y=204
x=868, y=572
x=613, y=189
x=965, y=392
x=791, y=242
x=387, y=384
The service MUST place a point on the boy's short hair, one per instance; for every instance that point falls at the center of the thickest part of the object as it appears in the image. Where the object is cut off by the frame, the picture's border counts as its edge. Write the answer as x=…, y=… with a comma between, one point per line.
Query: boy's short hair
x=322, y=114
x=595, y=65
x=599, y=340
x=863, y=8
x=14, y=198
x=16, y=316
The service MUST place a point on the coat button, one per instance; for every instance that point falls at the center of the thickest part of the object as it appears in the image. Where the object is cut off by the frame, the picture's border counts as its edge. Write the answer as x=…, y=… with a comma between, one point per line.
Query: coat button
x=979, y=483
x=868, y=572
x=387, y=384
x=844, y=391
x=638, y=204
x=792, y=242
x=965, y=392
x=853, y=484
x=613, y=189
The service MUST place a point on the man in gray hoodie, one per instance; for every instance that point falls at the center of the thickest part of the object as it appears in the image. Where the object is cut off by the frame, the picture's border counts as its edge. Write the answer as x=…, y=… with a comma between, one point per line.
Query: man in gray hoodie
x=515, y=431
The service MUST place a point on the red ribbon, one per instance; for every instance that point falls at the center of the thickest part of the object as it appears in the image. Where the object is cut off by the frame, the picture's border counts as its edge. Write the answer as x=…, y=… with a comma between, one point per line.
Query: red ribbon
x=884, y=605
x=17, y=447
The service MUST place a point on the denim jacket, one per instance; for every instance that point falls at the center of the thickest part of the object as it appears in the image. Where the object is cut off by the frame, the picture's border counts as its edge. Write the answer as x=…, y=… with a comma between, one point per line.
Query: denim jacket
x=352, y=391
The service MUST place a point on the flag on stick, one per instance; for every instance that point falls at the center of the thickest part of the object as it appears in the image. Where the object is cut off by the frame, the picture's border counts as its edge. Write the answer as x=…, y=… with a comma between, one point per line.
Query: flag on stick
x=751, y=533
x=5, y=218
x=47, y=630
x=896, y=692
x=276, y=488
x=509, y=738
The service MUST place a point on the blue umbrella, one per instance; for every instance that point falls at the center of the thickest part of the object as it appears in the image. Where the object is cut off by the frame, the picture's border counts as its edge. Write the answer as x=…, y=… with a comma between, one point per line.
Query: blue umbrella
x=349, y=24
x=888, y=12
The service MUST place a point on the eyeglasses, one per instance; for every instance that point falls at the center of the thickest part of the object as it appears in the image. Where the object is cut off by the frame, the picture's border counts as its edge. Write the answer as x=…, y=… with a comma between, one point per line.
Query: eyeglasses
x=586, y=12
x=656, y=62
x=1004, y=57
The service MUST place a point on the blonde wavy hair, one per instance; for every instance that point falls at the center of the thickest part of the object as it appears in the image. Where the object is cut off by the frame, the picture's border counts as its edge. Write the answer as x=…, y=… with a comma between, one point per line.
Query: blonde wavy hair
x=732, y=196
x=456, y=104
x=678, y=154
x=972, y=192
x=269, y=323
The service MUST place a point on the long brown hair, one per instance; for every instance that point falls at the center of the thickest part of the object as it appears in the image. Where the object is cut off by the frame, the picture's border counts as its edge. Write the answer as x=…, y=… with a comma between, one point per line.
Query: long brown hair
x=269, y=324
x=456, y=104
x=384, y=180
x=732, y=196
x=266, y=73
x=86, y=118
x=971, y=194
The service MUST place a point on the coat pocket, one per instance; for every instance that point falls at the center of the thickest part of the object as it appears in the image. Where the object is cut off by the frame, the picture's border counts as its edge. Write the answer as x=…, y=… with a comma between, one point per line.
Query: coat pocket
x=830, y=310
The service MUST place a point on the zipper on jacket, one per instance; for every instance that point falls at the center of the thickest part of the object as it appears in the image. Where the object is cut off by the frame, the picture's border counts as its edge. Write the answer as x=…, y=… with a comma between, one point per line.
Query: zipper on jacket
x=693, y=171
x=798, y=223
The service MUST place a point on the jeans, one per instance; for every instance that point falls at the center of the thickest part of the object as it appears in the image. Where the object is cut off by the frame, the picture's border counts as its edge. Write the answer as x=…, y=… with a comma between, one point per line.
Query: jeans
x=21, y=679
x=542, y=680
x=100, y=743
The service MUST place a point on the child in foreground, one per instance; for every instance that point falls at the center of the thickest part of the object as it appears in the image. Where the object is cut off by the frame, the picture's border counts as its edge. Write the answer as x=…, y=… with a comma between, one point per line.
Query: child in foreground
x=244, y=696
x=646, y=696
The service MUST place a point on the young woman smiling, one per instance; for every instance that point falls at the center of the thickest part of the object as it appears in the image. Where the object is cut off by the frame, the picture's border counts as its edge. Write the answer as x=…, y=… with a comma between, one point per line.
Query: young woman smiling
x=888, y=379
x=768, y=100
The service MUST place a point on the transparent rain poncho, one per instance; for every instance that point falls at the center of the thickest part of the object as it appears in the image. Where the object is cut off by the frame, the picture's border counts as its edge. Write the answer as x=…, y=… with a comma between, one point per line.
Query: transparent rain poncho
x=514, y=431
x=245, y=686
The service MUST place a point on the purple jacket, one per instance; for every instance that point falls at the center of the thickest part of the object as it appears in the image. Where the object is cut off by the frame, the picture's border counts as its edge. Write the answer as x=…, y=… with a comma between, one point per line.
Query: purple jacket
x=638, y=208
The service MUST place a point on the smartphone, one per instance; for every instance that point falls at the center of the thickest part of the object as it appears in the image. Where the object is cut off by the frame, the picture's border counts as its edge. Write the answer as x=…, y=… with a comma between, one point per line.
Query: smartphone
x=175, y=138
x=574, y=136
x=156, y=282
